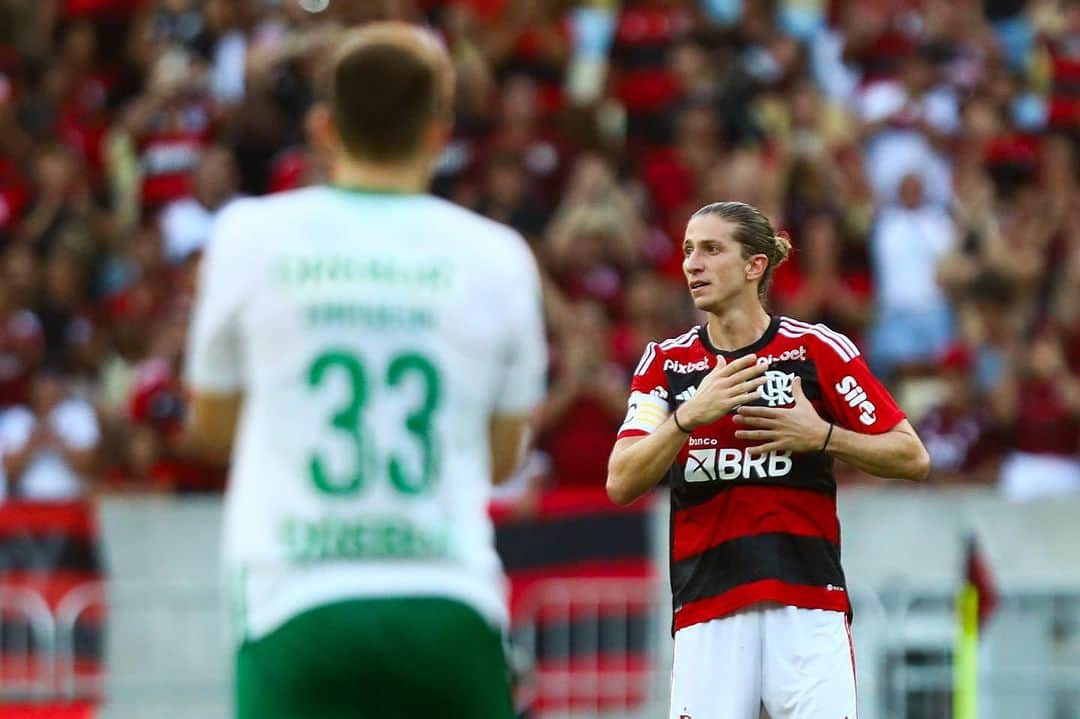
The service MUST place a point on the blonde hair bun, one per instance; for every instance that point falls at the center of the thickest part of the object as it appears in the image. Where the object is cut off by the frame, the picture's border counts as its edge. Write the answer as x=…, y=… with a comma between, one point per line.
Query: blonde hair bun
x=783, y=248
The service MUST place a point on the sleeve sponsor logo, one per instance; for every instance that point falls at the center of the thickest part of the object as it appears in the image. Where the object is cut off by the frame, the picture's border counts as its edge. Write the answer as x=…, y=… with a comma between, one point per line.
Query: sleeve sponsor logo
x=855, y=396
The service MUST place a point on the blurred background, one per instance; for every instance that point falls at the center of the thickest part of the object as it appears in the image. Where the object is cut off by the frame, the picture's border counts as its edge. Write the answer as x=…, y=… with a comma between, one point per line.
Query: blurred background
x=921, y=154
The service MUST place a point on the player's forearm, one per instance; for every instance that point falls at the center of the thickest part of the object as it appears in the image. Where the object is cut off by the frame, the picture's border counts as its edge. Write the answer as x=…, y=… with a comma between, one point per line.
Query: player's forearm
x=635, y=469
x=214, y=419
x=509, y=438
x=893, y=455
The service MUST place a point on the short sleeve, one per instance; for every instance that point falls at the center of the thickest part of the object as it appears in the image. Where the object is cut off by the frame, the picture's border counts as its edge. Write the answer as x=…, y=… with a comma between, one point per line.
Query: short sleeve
x=214, y=360
x=648, y=405
x=525, y=349
x=854, y=396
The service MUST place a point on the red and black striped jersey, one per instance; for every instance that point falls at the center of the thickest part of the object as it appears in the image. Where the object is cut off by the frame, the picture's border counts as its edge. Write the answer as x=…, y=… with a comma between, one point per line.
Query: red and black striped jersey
x=748, y=529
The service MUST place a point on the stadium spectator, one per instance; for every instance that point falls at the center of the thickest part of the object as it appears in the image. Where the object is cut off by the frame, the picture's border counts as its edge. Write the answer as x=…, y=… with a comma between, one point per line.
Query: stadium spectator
x=961, y=432
x=21, y=273
x=223, y=44
x=991, y=324
x=170, y=125
x=160, y=454
x=63, y=210
x=521, y=128
x=591, y=250
x=48, y=445
x=907, y=122
x=1041, y=401
x=585, y=401
x=593, y=199
x=819, y=285
x=506, y=197
x=21, y=344
x=653, y=306
x=66, y=317
x=1059, y=27
x=672, y=173
x=137, y=298
x=185, y=222
x=530, y=39
x=913, y=320
x=162, y=25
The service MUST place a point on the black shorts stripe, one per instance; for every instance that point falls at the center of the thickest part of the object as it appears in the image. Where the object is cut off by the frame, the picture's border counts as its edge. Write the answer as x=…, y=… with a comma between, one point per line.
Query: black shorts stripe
x=789, y=558
x=607, y=536
x=49, y=553
x=614, y=634
x=19, y=640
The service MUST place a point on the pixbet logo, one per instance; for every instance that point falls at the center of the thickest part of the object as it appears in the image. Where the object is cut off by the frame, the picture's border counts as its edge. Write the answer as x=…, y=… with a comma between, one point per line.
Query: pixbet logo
x=685, y=367
x=856, y=397
x=797, y=353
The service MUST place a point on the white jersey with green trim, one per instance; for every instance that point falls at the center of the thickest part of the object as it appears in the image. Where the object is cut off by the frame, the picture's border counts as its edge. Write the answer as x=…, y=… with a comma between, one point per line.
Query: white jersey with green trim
x=373, y=336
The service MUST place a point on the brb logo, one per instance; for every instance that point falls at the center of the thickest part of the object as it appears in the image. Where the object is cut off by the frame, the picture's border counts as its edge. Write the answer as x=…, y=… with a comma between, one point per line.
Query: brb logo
x=709, y=464
x=777, y=388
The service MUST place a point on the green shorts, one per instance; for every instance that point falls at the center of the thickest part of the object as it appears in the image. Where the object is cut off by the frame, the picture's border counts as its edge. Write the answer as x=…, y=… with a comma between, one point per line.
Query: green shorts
x=376, y=658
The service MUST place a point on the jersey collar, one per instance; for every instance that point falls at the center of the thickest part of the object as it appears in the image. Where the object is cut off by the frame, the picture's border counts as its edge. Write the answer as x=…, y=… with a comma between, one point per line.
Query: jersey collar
x=373, y=191
x=760, y=342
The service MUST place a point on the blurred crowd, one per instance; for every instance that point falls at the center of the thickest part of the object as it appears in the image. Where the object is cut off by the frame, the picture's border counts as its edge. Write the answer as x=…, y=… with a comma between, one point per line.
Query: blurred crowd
x=921, y=155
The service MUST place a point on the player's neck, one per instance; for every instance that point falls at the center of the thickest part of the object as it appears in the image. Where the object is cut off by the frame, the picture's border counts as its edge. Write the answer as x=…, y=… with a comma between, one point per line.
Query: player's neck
x=735, y=327
x=371, y=177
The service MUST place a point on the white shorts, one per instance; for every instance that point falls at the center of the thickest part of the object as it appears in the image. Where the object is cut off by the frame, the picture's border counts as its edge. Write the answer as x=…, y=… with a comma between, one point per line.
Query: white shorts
x=797, y=663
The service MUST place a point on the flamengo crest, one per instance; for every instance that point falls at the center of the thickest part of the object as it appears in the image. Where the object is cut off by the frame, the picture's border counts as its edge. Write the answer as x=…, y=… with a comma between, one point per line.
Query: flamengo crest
x=777, y=388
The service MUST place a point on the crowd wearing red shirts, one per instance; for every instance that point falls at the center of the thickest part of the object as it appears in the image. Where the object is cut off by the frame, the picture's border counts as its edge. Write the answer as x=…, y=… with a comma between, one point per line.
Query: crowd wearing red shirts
x=922, y=157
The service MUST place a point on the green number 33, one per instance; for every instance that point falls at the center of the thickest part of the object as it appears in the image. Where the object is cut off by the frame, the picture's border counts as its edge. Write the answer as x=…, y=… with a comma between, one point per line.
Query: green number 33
x=348, y=420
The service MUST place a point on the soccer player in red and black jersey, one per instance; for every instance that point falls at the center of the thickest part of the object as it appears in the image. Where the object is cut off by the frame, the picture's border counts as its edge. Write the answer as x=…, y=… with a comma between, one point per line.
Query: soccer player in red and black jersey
x=745, y=415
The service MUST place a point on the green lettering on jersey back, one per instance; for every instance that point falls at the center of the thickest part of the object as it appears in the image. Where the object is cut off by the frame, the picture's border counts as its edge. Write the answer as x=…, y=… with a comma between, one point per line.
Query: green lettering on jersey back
x=349, y=421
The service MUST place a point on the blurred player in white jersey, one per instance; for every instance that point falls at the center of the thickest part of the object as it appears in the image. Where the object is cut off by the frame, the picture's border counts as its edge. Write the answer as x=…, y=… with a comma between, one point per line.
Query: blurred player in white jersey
x=745, y=414
x=377, y=352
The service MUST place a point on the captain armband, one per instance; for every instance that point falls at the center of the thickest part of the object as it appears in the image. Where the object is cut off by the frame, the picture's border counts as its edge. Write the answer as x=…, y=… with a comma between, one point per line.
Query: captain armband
x=646, y=412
